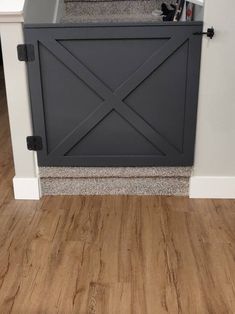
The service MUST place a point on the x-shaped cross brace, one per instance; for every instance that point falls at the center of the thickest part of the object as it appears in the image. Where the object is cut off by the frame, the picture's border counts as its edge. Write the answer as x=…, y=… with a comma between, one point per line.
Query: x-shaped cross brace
x=114, y=100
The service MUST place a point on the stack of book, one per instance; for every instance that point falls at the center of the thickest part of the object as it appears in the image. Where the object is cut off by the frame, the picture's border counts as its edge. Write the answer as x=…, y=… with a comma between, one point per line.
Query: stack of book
x=181, y=10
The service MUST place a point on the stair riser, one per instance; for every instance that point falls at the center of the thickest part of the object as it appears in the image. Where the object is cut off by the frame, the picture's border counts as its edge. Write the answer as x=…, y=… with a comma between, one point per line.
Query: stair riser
x=116, y=186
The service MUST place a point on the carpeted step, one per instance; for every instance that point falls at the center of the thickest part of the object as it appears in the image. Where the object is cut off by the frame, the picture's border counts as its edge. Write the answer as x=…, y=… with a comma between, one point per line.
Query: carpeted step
x=109, y=11
x=115, y=186
x=105, y=181
x=95, y=11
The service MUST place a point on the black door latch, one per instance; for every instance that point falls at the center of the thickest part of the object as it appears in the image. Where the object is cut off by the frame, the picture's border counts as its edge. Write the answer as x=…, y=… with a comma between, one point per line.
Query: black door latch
x=209, y=33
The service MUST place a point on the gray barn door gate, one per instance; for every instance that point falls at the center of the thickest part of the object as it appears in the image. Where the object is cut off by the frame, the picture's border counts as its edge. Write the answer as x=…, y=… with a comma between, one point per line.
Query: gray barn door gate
x=115, y=95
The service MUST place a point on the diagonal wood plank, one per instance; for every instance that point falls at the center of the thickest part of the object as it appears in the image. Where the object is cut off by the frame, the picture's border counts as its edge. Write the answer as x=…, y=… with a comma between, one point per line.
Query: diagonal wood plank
x=81, y=130
x=136, y=121
x=152, y=64
x=145, y=129
x=77, y=67
x=100, y=88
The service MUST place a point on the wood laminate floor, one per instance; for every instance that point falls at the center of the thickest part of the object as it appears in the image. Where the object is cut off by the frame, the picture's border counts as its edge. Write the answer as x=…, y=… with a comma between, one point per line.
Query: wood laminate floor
x=113, y=255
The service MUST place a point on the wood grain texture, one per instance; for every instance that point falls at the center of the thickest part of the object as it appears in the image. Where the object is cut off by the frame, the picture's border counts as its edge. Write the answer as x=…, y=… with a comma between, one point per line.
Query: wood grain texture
x=114, y=254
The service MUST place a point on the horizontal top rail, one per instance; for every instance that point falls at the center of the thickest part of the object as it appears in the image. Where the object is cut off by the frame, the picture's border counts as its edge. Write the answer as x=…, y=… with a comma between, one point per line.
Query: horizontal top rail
x=111, y=24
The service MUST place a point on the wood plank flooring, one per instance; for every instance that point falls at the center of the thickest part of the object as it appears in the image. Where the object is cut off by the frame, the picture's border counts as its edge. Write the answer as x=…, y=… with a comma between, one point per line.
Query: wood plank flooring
x=115, y=254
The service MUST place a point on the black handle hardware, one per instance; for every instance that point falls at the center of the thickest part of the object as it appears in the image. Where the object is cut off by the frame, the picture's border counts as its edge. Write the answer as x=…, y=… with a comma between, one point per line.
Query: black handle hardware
x=209, y=33
x=25, y=52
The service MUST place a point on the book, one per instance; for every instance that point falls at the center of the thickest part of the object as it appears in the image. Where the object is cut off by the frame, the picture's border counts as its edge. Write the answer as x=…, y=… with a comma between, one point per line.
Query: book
x=180, y=6
x=189, y=11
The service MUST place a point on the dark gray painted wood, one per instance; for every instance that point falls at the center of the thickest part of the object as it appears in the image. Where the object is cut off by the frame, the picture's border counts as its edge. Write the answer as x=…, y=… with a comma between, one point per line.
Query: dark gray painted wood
x=115, y=95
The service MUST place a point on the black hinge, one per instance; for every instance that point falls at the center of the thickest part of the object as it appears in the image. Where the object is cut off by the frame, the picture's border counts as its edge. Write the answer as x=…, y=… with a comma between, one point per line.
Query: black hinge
x=34, y=143
x=209, y=33
x=26, y=53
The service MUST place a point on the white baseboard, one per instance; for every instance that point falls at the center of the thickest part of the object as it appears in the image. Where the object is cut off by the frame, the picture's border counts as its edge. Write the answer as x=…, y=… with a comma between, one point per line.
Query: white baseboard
x=212, y=187
x=27, y=188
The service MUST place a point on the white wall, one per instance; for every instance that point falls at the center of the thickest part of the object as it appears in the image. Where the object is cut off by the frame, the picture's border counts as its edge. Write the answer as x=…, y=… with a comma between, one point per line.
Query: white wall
x=43, y=11
x=26, y=182
x=215, y=144
x=199, y=13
